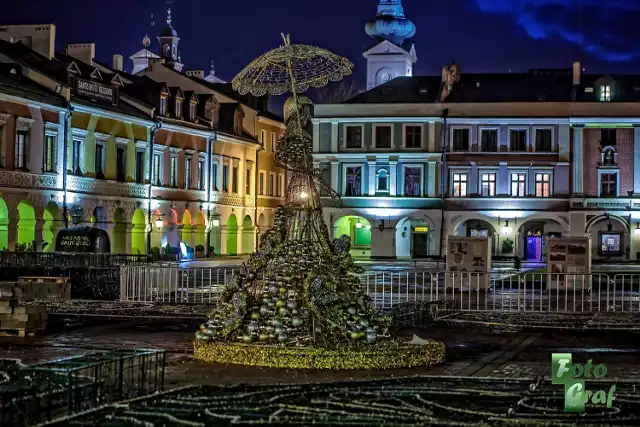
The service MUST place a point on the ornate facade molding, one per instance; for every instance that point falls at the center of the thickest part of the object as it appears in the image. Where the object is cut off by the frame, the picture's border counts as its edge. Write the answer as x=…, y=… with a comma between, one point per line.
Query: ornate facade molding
x=15, y=179
x=4, y=118
x=24, y=123
x=107, y=188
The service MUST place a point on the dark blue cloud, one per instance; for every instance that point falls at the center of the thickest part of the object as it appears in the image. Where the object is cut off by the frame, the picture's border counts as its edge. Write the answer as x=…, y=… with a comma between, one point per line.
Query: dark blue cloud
x=608, y=29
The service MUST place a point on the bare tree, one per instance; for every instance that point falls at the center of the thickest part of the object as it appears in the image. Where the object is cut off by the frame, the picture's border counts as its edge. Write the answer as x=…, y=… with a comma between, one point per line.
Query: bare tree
x=337, y=92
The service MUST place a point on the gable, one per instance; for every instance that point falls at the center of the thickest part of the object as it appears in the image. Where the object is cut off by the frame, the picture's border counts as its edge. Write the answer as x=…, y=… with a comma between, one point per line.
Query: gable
x=116, y=80
x=73, y=68
x=95, y=74
x=385, y=48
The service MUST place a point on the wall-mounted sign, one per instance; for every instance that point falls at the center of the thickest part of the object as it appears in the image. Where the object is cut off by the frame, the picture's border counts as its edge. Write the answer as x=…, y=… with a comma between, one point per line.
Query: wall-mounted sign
x=468, y=262
x=96, y=90
x=420, y=229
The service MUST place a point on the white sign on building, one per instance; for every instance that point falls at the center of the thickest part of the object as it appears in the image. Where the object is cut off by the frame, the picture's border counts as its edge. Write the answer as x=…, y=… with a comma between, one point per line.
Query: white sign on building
x=568, y=263
x=468, y=263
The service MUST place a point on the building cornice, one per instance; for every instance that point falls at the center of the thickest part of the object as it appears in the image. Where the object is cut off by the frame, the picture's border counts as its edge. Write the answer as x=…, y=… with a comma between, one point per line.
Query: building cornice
x=210, y=133
x=81, y=108
x=271, y=122
x=365, y=156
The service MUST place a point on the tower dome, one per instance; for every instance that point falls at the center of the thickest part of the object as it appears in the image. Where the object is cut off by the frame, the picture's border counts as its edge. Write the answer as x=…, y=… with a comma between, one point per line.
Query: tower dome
x=391, y=24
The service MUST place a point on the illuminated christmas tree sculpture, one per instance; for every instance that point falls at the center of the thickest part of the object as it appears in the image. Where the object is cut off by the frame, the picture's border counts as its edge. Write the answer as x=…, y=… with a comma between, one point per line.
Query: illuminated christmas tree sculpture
x=299, y=288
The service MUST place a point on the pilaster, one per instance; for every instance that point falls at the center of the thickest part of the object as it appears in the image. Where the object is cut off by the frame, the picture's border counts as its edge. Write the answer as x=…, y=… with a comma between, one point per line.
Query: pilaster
x=334, y=176
x=12, y=233
x=335, y=137
x=372, y=177
x=578, y=160
x=393, y=177
x=39, y=227
x=131, y=161
x=316, y=137
x=431, y=179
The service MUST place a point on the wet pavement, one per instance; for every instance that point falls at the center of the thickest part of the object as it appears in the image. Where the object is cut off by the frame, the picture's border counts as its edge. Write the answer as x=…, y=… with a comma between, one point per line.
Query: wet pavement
x=478, y=351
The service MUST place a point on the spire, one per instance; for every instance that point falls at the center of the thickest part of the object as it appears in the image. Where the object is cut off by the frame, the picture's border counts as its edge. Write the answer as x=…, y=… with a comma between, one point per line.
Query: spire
x=169, y=16
x=212, y=70
x=391, y=24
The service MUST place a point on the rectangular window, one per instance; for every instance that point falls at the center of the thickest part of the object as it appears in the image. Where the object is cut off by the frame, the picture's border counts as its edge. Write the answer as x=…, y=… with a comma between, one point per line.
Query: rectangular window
x=461, y=140
x=383, y=136
x=157, y=164
x=605, y=93
x=21, y=149
x=282, y=187
x=272, y=184
x=173, y=172
x=608, y=137
x=273, y=142
x=214, y=174
x=75, y=157
x=544, y=140
x=354, y=137
x=179, y=108
x=234, y=180
x=263, y=137
x=187, y=173
x=460, y=182
x=49, y=153
x=518, y=184
x=609, y=185
x=225, y=178
x=139, y=167
x=353, y=179
x=412, y=182
x=413, y=136
x=99, y=161
x=121, y=165
x=200, y=174
x=163, y=105
x=489, y=140
x=488, y=184
x=543, y=185
x=518, y=140
x=247, y=183
x=278, y=187
x=261, y=187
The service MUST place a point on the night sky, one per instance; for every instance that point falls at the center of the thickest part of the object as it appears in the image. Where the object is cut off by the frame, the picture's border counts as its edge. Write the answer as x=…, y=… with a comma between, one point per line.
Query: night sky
x=480, y=35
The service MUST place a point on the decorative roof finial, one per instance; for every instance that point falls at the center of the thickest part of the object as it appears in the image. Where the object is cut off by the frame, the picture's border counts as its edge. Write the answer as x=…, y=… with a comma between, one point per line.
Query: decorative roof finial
x=146, y=41
x=169, y=16
x=212, y=70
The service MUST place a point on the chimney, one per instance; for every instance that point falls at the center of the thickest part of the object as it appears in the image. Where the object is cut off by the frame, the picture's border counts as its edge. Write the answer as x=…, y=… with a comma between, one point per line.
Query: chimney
x=577, y=71
x=198, y=74
x=117, y=62
x=85, y=52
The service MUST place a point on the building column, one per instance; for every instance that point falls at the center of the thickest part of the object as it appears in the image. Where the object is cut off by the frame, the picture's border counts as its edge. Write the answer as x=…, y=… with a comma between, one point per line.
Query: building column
x=242, y=175
x=127, y=238
x=239, y=240
x=220, y=173
x=636, y=160
x=578, y=160
x=223, y=240
x=393, y=177
x=252, y=185
x=110, y=160
x=334, y=176
x=431, y=178
x=372, y=177
x=316, y=137
x=503, y=179
x=383, y=244
x=12, y=233
x=335, y=137
x=38, y=235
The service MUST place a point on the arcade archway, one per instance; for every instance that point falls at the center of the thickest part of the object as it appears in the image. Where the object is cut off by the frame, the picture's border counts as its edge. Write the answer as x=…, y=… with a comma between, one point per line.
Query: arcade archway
x=138, y=232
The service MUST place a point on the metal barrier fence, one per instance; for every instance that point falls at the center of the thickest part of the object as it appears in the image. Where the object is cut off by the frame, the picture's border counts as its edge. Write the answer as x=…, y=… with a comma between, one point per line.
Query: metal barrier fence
x=40, y=393
x=497, y=291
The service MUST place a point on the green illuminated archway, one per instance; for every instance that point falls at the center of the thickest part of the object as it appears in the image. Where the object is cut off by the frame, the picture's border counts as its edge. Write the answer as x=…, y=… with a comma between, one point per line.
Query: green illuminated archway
x=200, y=230
x=119, y=245
x=232, y=235
x=26, y=224
x=247, y=235
x=4, y=225
x=359, y=230
x=52, y=224
x=138, y=233
x=187, y=228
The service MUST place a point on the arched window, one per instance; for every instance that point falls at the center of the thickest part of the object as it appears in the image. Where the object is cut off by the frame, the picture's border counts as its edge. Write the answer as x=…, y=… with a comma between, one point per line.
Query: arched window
x=609, y=157
x=382, y=180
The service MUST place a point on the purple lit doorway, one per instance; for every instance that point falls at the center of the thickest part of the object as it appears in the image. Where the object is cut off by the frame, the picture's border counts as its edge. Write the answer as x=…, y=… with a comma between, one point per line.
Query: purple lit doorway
x=533, y=249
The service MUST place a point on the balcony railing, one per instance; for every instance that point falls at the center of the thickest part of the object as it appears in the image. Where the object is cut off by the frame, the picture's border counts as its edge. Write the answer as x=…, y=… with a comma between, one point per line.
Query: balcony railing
x=16, y=179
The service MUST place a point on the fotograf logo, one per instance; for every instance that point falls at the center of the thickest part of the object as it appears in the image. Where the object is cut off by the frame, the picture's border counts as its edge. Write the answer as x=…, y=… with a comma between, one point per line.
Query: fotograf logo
x=573, y=376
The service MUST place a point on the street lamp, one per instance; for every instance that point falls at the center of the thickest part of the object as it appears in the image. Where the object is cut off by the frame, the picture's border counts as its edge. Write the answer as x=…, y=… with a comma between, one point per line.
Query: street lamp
x=358, y=224
x=159, y=222
x=637, y=230
x=215, y=219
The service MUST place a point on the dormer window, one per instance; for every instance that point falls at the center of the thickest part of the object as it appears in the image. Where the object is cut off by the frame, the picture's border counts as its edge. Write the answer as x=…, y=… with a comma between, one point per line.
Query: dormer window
x=608, y=157
x=192, y=111
x=605, y=93
x=163, y=105
x=178, y=108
